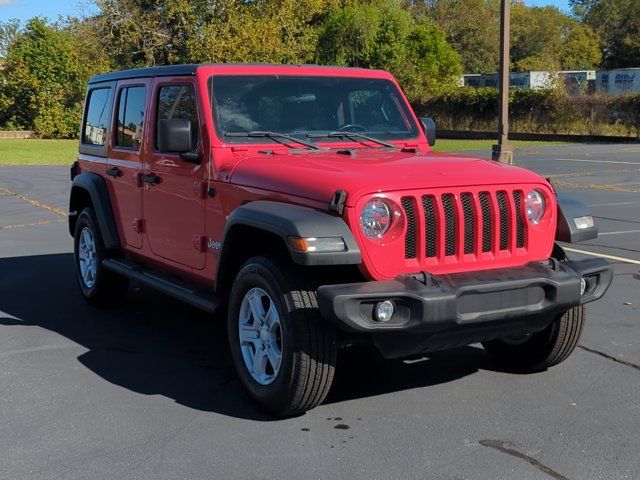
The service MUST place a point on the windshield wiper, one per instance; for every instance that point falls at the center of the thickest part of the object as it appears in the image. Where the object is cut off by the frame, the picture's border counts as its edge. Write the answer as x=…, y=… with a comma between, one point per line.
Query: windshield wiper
x=351, y=135
x=272, y=136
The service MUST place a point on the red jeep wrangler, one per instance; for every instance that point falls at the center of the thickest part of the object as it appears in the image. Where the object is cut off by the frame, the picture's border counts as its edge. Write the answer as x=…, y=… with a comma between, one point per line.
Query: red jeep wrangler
x=308, y=201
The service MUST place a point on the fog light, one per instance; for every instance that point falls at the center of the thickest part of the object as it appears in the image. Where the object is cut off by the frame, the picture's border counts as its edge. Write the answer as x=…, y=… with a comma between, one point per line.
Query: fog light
x=583, y=286
x=384, y=311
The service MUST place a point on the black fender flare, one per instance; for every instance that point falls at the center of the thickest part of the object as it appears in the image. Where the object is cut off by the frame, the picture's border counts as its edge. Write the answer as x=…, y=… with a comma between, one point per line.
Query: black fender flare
x=95, y=186
x=285, y=220
x=570, y=208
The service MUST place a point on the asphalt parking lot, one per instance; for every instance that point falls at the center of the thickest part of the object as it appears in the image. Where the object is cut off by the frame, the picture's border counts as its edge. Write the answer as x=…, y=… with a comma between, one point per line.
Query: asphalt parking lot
x=147, y=391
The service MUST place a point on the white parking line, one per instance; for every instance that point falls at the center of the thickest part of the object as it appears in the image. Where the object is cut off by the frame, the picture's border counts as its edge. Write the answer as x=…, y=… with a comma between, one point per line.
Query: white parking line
x=595, y=161
x=602, y=255
x=619, y=232
x=613, y=204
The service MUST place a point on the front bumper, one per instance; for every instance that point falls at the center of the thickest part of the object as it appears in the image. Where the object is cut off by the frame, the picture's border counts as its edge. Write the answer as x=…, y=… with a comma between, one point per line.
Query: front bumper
x=458, y=309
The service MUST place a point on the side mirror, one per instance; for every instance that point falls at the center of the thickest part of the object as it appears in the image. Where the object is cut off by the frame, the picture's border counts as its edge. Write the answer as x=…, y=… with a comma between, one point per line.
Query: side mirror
x=429, y=128
x=174, y=136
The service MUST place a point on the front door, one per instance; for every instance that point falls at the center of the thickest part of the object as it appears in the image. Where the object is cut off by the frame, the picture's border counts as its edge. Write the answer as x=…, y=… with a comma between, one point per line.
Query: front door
x=126, y=158
x=174, y=201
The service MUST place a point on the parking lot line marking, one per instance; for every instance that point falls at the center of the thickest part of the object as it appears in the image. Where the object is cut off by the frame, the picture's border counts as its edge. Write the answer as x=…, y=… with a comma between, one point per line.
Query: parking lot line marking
x=614, y=204
x=36, y=203
x=620, y=232
x=602, y=255
x=596, y=186
x=595, y=161
x=34, y=224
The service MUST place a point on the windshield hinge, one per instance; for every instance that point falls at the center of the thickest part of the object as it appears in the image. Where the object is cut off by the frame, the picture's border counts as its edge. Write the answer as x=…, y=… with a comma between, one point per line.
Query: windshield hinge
x=337, y=202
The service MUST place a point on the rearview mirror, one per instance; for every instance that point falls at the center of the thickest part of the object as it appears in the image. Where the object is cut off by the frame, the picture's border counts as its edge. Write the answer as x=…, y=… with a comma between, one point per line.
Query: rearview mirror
x=429, y=128
x=174, y=136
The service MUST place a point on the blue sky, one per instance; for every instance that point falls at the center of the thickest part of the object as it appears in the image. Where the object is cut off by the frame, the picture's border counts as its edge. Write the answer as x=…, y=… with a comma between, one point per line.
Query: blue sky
x=24, y=9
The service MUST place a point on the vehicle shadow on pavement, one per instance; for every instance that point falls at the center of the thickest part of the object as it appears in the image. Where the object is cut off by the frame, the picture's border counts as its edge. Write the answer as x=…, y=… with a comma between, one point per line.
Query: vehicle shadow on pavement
x=154, y=345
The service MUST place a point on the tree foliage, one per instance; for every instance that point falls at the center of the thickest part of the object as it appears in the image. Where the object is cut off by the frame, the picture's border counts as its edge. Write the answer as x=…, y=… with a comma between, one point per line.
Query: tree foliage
x=382, y=34
x=617, y=23
x=543, y=38
x=45, y=74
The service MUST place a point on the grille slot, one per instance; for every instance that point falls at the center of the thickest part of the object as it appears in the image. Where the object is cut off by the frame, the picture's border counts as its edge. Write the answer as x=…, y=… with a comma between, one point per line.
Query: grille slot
x=410, y=238
x=450, y=222
x=430, y=226
x=505, y=229
x=520, y=225
x=469, y=227
x=487, y=223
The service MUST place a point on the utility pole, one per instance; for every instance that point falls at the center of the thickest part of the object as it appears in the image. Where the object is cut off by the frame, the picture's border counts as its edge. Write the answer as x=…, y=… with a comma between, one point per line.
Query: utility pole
x=502, y=152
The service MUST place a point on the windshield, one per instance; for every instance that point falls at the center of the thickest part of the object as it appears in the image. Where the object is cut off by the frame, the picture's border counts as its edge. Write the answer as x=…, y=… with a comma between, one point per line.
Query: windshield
x=308, y=107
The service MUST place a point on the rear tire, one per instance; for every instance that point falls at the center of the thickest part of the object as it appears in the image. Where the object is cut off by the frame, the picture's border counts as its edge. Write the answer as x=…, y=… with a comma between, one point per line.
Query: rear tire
x=543, y=349
x=295, y=372
x=98, y=286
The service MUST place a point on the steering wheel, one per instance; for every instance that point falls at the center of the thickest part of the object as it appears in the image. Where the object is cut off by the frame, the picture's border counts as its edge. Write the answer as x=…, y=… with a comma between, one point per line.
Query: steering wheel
x=362, y=128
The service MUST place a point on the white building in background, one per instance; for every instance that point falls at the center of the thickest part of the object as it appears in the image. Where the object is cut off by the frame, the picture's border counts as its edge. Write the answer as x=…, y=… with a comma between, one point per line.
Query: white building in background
x=576, y=82
x=616, y=82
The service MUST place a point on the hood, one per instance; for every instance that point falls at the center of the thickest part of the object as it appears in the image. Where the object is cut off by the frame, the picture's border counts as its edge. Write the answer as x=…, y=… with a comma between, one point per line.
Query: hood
x=318, y=174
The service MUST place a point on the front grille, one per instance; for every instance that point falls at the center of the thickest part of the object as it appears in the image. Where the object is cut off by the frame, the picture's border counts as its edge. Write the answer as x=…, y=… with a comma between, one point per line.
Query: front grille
x=520, y=225
x=410, y=239
x=430, y=226
x=450, y=222
x=504, y=220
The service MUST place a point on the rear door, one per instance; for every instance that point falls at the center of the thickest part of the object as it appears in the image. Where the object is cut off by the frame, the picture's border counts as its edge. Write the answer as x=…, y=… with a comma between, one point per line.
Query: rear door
x=174, y=204
x=126, y=157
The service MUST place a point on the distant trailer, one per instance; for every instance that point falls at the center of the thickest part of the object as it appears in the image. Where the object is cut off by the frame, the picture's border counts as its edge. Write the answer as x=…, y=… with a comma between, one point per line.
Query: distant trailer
x=617, y=82
x=519, y=80
x=578, y=82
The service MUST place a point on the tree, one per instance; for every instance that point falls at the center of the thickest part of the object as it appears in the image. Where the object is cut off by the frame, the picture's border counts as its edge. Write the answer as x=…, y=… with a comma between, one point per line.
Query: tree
x=544, y=38
x=151, y=32
x=617, y=23
x=278, y=31
x=44, y=78
x=8, y=33
x=382, y=34
x=470, y=26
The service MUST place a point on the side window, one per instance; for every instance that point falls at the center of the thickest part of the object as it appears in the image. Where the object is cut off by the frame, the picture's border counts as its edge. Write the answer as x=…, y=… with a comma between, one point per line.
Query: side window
x=179, y=101
x=131, y=103
x=94, y=131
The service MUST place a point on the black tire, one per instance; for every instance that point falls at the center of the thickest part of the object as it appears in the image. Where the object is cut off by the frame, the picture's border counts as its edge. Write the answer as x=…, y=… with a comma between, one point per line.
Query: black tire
x=107, y=288
x=309, y=347
x=543, y=349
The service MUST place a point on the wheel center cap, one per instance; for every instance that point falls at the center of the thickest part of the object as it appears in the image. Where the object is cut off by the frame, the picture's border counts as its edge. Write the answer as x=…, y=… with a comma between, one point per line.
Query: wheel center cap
x=264, y=334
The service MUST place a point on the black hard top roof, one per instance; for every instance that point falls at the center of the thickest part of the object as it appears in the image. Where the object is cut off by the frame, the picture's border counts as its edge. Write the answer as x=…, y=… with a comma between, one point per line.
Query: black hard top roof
x=175, y=70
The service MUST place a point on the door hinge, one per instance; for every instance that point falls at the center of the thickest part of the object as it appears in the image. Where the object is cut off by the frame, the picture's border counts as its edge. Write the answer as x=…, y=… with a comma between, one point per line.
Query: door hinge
x=137, y=225
x=198, y=243
x=200, y=189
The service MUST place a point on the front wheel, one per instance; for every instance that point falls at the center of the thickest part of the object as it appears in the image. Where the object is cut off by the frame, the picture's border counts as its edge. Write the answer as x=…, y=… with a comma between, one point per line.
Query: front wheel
x=540, y=350
x=99, y=286
x=283, y=352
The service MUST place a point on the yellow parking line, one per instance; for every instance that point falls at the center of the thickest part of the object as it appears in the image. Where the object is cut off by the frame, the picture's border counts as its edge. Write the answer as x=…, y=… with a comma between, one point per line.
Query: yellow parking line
x=602, y=255
x=36, y=203
x=595, y=186
x=34, y=224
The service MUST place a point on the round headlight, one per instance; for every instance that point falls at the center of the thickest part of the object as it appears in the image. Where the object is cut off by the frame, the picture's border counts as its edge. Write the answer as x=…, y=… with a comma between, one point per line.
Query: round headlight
x=535, y=206
x=375, y=218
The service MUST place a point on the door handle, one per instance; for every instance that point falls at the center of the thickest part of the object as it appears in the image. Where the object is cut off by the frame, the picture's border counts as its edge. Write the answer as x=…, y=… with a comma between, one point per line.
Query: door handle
x=114, y=172
x=150, y=178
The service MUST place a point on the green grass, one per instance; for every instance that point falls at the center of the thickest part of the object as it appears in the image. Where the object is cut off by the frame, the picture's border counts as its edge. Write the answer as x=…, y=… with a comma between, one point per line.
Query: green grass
x=25, y=151
x=447, y=145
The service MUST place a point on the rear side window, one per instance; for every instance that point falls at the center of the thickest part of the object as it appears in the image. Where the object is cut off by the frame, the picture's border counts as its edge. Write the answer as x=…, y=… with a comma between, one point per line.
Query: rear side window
x=131, y=105
x=179, y=101
x=96, y=120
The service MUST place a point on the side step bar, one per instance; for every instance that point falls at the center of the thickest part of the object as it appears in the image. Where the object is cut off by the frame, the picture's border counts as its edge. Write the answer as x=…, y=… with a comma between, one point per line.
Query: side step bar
x=174, y=289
